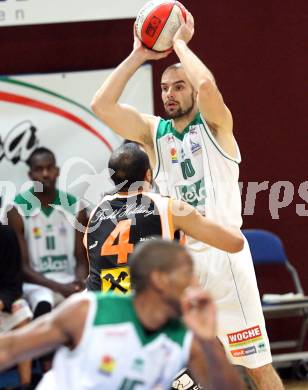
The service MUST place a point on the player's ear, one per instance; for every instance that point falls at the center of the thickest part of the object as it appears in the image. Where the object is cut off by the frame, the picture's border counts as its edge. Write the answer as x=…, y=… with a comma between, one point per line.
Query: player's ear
x=148, y=176
x=158, y=280
x=195, y=93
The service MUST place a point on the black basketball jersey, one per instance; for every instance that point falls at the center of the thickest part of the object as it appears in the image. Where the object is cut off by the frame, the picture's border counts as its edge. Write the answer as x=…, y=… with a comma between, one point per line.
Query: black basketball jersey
x=115, y=227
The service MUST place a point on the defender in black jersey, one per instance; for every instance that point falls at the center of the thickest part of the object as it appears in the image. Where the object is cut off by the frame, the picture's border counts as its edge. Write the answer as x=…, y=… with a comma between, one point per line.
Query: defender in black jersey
x=133, y=215
x=116, y=226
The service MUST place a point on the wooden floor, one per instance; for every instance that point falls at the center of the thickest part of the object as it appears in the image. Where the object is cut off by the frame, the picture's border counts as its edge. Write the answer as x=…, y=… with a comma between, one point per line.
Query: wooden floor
x=296, y=385
x=289, y=384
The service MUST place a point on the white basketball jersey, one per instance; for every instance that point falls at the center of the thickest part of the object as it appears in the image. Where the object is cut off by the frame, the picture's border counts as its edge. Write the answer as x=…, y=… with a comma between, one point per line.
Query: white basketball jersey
x=116, y=352
x=192, y=166
x=49, y=235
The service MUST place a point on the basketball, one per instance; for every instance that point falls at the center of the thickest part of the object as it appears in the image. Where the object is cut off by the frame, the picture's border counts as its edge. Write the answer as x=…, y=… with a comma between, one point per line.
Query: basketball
x=157, y=22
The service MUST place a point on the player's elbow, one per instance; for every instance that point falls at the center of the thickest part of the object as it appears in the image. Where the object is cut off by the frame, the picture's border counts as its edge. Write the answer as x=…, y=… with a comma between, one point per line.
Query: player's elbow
x=237, y=244
x=100, y=106
x=97, y=105
x=206, y=85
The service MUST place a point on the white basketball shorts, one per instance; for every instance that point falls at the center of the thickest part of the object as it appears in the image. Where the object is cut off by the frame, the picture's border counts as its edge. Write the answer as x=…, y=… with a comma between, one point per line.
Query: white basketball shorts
x=231, y=281
x=34, y=294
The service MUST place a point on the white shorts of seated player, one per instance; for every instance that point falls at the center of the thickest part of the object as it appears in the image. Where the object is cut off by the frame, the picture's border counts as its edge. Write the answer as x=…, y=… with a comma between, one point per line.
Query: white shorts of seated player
x=20, y=312
x=34, y=294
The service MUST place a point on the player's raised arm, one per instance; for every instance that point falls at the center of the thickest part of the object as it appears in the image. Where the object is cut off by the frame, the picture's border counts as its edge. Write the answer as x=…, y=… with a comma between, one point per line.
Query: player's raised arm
x=210, y=100
x=191, y=222
x=46, y=333
x=30, y=275
x=121, y=118
x=208, y=361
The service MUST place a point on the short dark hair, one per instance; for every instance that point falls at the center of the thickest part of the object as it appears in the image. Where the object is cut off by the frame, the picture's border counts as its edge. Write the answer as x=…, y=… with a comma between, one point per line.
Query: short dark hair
x=176, y=66
x=129, y=164
x=37, y=152
x=153, y=255
x=128, y=141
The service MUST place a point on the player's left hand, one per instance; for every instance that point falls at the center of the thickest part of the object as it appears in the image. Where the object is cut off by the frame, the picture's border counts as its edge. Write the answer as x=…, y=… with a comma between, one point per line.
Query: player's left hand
x=186, y=30
x=147, y=54
x=199, y=313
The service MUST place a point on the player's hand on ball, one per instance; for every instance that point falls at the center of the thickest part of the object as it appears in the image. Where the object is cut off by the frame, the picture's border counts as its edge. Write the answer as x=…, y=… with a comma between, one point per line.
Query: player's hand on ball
x=187, y=29
x=145, y=53
x=199, y=313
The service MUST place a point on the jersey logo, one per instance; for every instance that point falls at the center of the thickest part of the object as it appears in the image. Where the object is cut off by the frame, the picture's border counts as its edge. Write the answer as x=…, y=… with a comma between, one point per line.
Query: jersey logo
x=174, y=156
x=107, y=365
x=62, y=230
x=37, y=232
x=93, y=245
x=194, y=147
x=194, y=194
x=116, y=279
x=170, y=139
x=53, y=263
x=246, y=336
x=138, y=364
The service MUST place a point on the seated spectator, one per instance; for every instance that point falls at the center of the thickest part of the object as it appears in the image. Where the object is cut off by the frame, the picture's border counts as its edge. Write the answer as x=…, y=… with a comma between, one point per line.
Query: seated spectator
x=54, y=260
x=14, y=311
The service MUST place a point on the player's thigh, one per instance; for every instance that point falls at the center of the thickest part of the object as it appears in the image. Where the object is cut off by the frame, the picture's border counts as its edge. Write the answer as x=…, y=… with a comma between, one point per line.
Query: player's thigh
x=230, y=279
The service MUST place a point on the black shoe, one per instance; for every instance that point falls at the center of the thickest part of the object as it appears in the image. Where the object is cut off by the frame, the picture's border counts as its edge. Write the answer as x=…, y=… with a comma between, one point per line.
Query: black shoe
x=24, y=387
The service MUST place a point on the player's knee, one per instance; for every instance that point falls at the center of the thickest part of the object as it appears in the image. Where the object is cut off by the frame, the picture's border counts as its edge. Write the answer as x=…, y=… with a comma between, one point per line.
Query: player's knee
x=266, y=376
x=260, y=371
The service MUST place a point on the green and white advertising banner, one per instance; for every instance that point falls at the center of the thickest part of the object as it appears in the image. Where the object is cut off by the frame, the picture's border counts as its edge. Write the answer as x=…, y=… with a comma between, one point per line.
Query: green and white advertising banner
x=53, y=111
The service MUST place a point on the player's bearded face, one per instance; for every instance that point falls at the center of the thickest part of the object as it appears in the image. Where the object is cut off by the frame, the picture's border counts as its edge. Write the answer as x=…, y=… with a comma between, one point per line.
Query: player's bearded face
x=177, y=93
x=179, y=109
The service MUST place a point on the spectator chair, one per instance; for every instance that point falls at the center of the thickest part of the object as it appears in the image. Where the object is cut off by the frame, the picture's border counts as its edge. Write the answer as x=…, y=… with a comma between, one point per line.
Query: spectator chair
x=10, y=378
x=267, y=249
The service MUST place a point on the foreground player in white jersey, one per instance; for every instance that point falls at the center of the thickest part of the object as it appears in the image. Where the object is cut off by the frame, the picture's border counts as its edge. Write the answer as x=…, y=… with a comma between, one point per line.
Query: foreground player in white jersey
x=134, y=341
x=195, y=157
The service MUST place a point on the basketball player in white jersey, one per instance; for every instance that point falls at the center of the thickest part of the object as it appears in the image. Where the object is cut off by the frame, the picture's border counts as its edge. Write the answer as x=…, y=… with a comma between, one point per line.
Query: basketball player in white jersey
x=195, y=157
x=135, y=342
x=54, y=260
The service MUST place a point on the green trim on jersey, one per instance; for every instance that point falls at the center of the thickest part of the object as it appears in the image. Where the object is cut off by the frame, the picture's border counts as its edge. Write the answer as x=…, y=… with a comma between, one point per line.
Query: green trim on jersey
x=215, y=143
x=28, y=202
x=116, y=309
x=165, y=127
